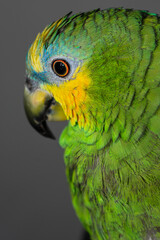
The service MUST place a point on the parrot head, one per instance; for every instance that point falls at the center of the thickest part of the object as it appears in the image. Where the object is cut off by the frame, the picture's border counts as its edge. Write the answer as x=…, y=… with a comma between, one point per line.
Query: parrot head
x=76, y=70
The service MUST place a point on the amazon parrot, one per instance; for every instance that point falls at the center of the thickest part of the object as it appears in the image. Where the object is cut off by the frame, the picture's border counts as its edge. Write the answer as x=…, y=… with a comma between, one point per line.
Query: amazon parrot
x=101, y=71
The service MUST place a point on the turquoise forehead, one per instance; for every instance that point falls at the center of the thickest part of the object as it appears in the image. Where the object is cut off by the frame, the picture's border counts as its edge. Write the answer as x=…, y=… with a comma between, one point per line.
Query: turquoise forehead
x=64, y=47
x=65, y=38
x=80, y=36
x=72, y=40
x=77, y=35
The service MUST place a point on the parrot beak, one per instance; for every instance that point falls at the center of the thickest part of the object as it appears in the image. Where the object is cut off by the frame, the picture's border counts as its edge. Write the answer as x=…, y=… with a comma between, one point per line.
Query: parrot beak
x=40, y=106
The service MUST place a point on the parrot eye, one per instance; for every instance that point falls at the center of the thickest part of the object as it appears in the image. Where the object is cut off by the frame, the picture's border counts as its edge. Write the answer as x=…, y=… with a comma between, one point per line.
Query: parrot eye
x=60, y=67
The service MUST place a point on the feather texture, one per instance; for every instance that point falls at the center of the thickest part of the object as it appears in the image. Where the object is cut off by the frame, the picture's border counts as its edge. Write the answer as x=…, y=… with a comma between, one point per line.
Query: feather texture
x=112, y=142
x=114, y=173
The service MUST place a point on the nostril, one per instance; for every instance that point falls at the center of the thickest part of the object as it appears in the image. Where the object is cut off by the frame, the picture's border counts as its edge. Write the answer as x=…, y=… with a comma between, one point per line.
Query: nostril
x=53, y=101
x=30, y=84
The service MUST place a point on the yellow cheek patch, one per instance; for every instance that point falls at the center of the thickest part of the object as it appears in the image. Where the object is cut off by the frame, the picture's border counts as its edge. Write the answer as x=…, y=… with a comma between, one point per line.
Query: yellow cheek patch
x=72, y=96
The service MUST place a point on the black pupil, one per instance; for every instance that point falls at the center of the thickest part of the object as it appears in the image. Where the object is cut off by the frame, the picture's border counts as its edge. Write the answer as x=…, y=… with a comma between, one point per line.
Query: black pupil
x=60, y=68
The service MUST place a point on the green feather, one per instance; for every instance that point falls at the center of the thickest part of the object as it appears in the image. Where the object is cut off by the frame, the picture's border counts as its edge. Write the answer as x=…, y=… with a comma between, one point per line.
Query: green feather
x=113, y=162
x=114, y=172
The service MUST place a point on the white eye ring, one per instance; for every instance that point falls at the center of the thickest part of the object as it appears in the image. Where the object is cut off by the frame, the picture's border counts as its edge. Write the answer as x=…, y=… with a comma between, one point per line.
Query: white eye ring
x=55, y=77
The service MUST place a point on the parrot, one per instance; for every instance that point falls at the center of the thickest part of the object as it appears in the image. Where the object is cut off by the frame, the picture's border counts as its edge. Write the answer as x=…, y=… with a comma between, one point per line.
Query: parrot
x=100, y=70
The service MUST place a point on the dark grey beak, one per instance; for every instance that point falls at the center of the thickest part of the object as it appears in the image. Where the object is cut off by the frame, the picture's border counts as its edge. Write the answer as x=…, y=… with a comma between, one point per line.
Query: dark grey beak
x=41, y=106
x=37, y=104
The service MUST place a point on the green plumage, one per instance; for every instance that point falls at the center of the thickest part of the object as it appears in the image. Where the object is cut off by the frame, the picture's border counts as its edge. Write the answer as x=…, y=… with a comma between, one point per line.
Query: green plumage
x=114, y=170
x=113, y=162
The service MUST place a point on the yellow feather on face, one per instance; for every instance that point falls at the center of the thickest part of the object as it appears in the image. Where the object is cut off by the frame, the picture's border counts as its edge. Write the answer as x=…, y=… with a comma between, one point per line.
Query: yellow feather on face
x=35, y=53
x=72, y=96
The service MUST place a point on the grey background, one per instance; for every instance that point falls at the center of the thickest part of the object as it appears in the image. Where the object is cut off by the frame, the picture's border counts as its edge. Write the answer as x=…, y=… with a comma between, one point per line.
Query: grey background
x=34, y=195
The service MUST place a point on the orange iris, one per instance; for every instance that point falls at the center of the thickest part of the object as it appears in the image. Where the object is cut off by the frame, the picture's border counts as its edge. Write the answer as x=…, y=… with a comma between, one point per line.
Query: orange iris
x=60, y=67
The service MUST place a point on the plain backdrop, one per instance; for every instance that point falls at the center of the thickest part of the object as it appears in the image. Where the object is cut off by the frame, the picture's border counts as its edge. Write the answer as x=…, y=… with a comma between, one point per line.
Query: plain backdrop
x=34, y=195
